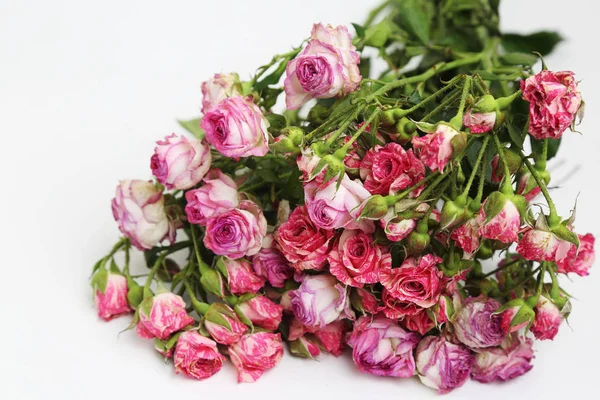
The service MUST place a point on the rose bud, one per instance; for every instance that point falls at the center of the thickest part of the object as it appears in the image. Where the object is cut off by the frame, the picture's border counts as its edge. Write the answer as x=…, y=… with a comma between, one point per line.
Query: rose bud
x=443, y=365
x=139, y=209
x=217, y=195
x=196, y=356
x=271, y=264
x=364, y=301
x=515, y=314
x=375, y=207
x=511, y=360
x=454, y=212
x=418, y=240
x=477, y=325
x=466, y=236
x=327, y=67
x=547, y=320
x=256, y=353
x=554, y=100
x=356, y=260
x=389, y=169
x=304, y=347
x=543, y=245
x=501, y=218
x=381, y=347
x=527, y=185
x=319, y=300
x=416, y=280
x=420, y=322
x=396, y=227
x=236, y=128
x=262, y=312
x=240, y=275
x=479, y=122
x=579, y=259
x=219, y=87
x=238, y=232
x=223, y=325
x=436, y=149
x=111, y=294
x=179, y=162
x=332, y=337
x=513, y=160
x=162, y=315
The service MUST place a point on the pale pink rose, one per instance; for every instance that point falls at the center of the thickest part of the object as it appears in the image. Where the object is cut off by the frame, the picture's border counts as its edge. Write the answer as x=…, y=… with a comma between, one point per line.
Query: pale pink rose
x=162, y=315
x=579, y=260
x=217, y=195
x=196, y=356
x=511, y=360
x=466, y=236
x=355, y=259
x=179, y=162
x=238, y=232
x=479, y=122
x=554, y=100
x=226, y=334
x=381, y=347
x=443, y=365
x=236, y=128
x=548, y=319
x=389, y=169
x=327, y=67
x=139, y=209
x=217, y=88
x=256, y=353
x=476, y=325
x=504, y=226
x=111, y=300
x=319, y=300
x=417, y=280
x=271, y=264
x=435, y=149
x=241, y=277
x=420, y=322
x=398, y=309
x=304, y=244
x=541, y=245
x=331, y=337
x=262, y=312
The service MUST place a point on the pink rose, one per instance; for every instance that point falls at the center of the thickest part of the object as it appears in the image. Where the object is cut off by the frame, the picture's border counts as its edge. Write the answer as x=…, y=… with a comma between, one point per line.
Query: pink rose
x=271, y=264
x=179, y=162
x=196, y=356
x=443, y=365
x=319, y=300
x=237, y=128
x=479, y=122
x=111, y=297
x=397, y=309
x=381, y=347
x=389, y=169
x=436, y=149
x=417, y=280
x=162, y=315
x=356, y=259
x=327, y=67
x=303, y=244
x=262, y=312
x=527, y=186
x=238, y=232
x=331, y=337
x=217, y=88
x=139, y=209
x=224, y=333
x=466, y=236
x=419, y=322
x=504, y=226
x=395, y=227
x=511, y=360
x=256, y=353
x=217, y=195
x=579, y=260
x=541, y=245
x=476, y=325
x=553, y=102
x=547, y=319
x=240, y=276
x=367, y=301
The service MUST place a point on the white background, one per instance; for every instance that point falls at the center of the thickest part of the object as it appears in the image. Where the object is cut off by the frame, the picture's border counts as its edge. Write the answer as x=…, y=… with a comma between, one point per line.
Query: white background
x=85, y=90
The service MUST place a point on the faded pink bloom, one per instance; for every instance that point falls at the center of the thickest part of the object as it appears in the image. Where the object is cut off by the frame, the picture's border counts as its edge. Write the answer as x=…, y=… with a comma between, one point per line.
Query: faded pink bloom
x=217, y=195
x=503, y=226
x=479, y=122
x=241, y=277
x=511, y=360
x=476, y=325
x=271, y=264
x=319, y=300
x=466, y=236
x=256, y=353
x=262, y=312
x=217, y=88
x=112, y=299
x=224, y=334
x=196, y=356
x=435, y=149
x=547, y=320
x=541, y=245
x=579, y=260
x=162, y=315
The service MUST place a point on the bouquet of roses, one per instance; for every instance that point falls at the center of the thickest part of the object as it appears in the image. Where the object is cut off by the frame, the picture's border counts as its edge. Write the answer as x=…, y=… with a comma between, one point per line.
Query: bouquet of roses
x=391, y=212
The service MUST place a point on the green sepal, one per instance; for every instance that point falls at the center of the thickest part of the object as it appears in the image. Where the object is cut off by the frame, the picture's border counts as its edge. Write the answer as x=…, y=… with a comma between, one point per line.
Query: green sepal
x=243, y=317
x=220, y=265
x=146, y=306
x=567, y=234
x=100, y=280
x=485, y=104
x=134, y=321
x=212, y=281
x=166, y=345
x=298, y=349
x=426, y=126
x=114, y=268
x=215, y=315
x=494, y=204
x=135, y=292
x=375, y=207
x=193, y=126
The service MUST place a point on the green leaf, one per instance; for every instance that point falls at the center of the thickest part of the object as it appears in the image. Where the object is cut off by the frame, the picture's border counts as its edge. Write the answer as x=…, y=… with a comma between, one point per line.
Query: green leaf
x=360, y=30
x=267, y=175
x=193, y=126
x=273, y=77
x=413, y=17
x=542, y=42
x=276, y=122
x=518, y=58
x=553, y=145
x=514, y=133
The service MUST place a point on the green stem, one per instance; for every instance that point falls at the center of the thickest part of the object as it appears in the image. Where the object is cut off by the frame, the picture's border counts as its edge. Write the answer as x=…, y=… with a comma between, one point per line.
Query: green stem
x=329, y=123
x=392, y=199
x=432, y=96
x=343, y=126
x=430, y=188
x=127, y=258
x=505, y=265
x=507, y=184
x=375, y=12
x=553, y=218
x=344, y=149
x=477, y=164
x=447, y=101
x=456, y=121
x=200, y=307
x=540, y=161
x=196, y=248
x=532, y=301
x=153, y=271
x=477, y=201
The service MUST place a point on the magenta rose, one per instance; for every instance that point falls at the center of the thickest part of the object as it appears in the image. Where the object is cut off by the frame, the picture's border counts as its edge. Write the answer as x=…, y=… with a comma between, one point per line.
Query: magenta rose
x=217, y=195
x=542, y=245
x=238, y=232
x=436, y=149
x=225, y=328
x=548, y=319
x=367, y=301
x=327, y=67
x=397, y=309
x=355, y=259
x=579, y=260
x=139, y=209
x=111, y=297
x=417, y=280
x=381, y=347
x=504, y=226
x=476, y=325
x=319, y=300
x=162, y=315
x=240, y=276
x=443, y=365
x=237, y=128
x=511, y=360
x=389, y=169
x=196, y=356
x=262, y=312
x=256, y=353
x=303, y=244
x=217, y=88
x=332, y=337
x=467, y=236
x=179, y=162
x=395, y=227
x=553, y=102
x=420, y=322
x=271, y=264
x=479, y=122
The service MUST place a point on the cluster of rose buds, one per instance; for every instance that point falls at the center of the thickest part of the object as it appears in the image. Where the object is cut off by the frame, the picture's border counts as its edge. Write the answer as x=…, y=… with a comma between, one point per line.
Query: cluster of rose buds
x=370, y=225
